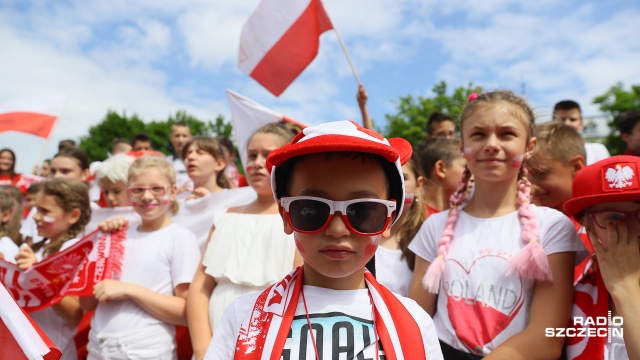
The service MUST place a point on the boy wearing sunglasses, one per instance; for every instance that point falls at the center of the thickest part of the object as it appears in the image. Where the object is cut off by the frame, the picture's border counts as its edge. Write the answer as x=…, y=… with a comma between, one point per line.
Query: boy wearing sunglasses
x=340, y=188
x=606, y=200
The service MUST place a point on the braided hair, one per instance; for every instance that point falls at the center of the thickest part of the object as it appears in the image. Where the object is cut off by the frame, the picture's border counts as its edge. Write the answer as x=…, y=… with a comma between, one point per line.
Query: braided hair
x=531, y=261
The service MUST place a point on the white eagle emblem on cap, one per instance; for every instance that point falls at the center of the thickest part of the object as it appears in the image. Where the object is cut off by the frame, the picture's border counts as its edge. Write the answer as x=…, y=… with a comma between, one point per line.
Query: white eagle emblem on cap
x=620, y=176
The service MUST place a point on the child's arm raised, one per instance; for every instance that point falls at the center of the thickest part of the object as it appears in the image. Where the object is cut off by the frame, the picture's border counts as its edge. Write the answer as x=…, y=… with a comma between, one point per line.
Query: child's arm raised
x=198, y=308
x=417, y=292
x=550, y=308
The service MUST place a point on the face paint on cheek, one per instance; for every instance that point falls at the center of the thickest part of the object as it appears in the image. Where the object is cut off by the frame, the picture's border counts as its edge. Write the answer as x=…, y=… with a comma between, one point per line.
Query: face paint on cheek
x=165, y=199
x=408, y=199
x=48, y=220
x=372, y=246
x=517, y=161
x=467, y=153
x=249, y=169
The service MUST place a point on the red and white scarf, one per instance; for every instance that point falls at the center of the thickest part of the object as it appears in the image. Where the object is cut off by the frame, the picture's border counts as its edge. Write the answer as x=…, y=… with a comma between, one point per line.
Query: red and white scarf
x=590, y=300
x=264, y=332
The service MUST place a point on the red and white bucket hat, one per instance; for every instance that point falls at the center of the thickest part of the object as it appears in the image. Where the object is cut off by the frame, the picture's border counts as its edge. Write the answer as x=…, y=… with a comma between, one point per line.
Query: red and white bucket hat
x=344, y=136
x=611, y=180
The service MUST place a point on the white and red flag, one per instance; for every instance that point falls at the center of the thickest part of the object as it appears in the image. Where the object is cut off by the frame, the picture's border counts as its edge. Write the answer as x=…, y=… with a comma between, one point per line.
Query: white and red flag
x=247, y=116
x=73, y=271
x=280, y=39
x=20, y=337
x=34, y=115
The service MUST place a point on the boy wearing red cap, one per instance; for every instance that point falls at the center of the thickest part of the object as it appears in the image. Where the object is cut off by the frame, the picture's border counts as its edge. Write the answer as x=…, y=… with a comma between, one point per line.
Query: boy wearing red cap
x=606, y=200
x=340, y=188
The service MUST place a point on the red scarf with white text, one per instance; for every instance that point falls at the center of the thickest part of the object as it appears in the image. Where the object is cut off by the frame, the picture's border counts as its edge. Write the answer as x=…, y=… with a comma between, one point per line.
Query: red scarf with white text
x=264, y=333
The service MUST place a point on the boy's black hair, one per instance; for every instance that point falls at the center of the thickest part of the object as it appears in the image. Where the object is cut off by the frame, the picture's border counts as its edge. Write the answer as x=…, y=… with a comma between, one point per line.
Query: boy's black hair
x=75, y=153
x=141, y=137
x=34, y=188
x=567, y=105
x=627, y=121
x=67, y=143
x=437, y=117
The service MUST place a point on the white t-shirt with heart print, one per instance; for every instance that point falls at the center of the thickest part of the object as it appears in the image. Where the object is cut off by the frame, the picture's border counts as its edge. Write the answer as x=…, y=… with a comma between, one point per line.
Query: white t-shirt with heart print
x=479, y=306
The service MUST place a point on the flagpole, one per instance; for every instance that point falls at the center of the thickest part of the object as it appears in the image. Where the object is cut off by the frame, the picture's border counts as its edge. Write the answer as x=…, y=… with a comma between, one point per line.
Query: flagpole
x=346, y=53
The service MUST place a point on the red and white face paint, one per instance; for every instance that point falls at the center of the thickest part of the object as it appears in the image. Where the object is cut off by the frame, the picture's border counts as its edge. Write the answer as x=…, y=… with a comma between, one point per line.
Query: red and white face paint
x=517, y=161
x=467, y=153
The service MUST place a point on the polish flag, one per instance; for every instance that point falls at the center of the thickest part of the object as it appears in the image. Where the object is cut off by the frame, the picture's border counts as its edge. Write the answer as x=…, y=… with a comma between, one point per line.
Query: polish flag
x=34, y=115
x=20, y=337
x=247, y=116
x=280, y=39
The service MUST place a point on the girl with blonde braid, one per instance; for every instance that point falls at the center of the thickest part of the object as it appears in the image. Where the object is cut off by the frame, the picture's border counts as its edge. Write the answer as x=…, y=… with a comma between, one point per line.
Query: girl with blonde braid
x=498, y=269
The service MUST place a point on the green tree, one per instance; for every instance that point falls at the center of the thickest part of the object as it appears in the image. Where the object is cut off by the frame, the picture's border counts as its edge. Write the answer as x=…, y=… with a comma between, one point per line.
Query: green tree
x=614, y=102
x=97, y=143
x=412, y=113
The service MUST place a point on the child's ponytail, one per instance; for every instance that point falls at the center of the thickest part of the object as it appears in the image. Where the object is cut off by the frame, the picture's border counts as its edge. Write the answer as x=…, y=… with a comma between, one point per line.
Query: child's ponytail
x=531, y=261
x=431, y=279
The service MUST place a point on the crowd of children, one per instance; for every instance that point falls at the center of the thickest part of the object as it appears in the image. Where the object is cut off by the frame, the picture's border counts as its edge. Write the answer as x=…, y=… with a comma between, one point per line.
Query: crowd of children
x=483, y=241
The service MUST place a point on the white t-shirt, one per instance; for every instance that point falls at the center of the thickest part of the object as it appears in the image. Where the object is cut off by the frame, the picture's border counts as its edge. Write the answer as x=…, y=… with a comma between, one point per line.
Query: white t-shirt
x=57, y=329
x=182, y=177
x=478, y=306
x=342, y=320
x=392, y=271
x=595, y=152
x=9, y=249
x=158, y=261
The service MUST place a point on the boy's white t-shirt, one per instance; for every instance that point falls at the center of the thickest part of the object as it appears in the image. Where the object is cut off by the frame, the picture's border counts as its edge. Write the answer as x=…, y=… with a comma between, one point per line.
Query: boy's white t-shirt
x=9, y=249
x=57, y=329
x=182, y=177
x=342, y=320
x=392, y=270
x=158, y=261
x=595, y=152
x=479, y=306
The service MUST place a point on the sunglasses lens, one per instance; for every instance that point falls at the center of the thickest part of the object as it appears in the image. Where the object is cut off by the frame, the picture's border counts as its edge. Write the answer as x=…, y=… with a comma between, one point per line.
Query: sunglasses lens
x=308, y=215
x=367, y=217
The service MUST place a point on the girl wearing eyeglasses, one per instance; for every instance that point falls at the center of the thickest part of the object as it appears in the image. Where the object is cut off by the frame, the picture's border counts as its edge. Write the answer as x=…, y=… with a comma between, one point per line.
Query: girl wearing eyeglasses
x=498, y=270
x=136, y=314
x=606, y=200
x=247, y=249
x=62, y=212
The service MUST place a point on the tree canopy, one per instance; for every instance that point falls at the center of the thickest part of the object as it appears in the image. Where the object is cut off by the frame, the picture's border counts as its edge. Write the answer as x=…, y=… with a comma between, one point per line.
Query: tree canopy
x=412, y=113
x=97, y=143
x=613, y=103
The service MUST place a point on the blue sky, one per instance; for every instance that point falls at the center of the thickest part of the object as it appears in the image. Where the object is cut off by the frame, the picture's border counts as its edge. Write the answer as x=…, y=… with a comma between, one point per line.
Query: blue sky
x=154, y=57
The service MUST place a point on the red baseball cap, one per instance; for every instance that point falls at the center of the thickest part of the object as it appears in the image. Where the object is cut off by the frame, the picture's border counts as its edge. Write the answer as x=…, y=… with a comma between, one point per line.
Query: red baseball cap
x=345, y=136
x=611, y=180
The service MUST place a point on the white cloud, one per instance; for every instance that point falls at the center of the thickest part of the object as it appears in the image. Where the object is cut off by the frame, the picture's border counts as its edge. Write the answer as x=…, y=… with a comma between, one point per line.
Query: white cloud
x=153, y=57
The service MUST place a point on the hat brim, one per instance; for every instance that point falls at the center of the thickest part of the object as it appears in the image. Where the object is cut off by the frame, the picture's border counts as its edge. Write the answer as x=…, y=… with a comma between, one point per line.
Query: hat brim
x=399, y=147
x=573, y=207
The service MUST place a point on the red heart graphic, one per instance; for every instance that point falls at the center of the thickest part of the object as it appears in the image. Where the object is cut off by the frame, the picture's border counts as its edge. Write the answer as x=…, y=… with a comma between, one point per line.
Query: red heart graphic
x=481, y=306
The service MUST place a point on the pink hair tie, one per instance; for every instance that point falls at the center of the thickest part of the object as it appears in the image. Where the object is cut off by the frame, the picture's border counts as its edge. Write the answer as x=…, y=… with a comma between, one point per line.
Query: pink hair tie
x=472, y=97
